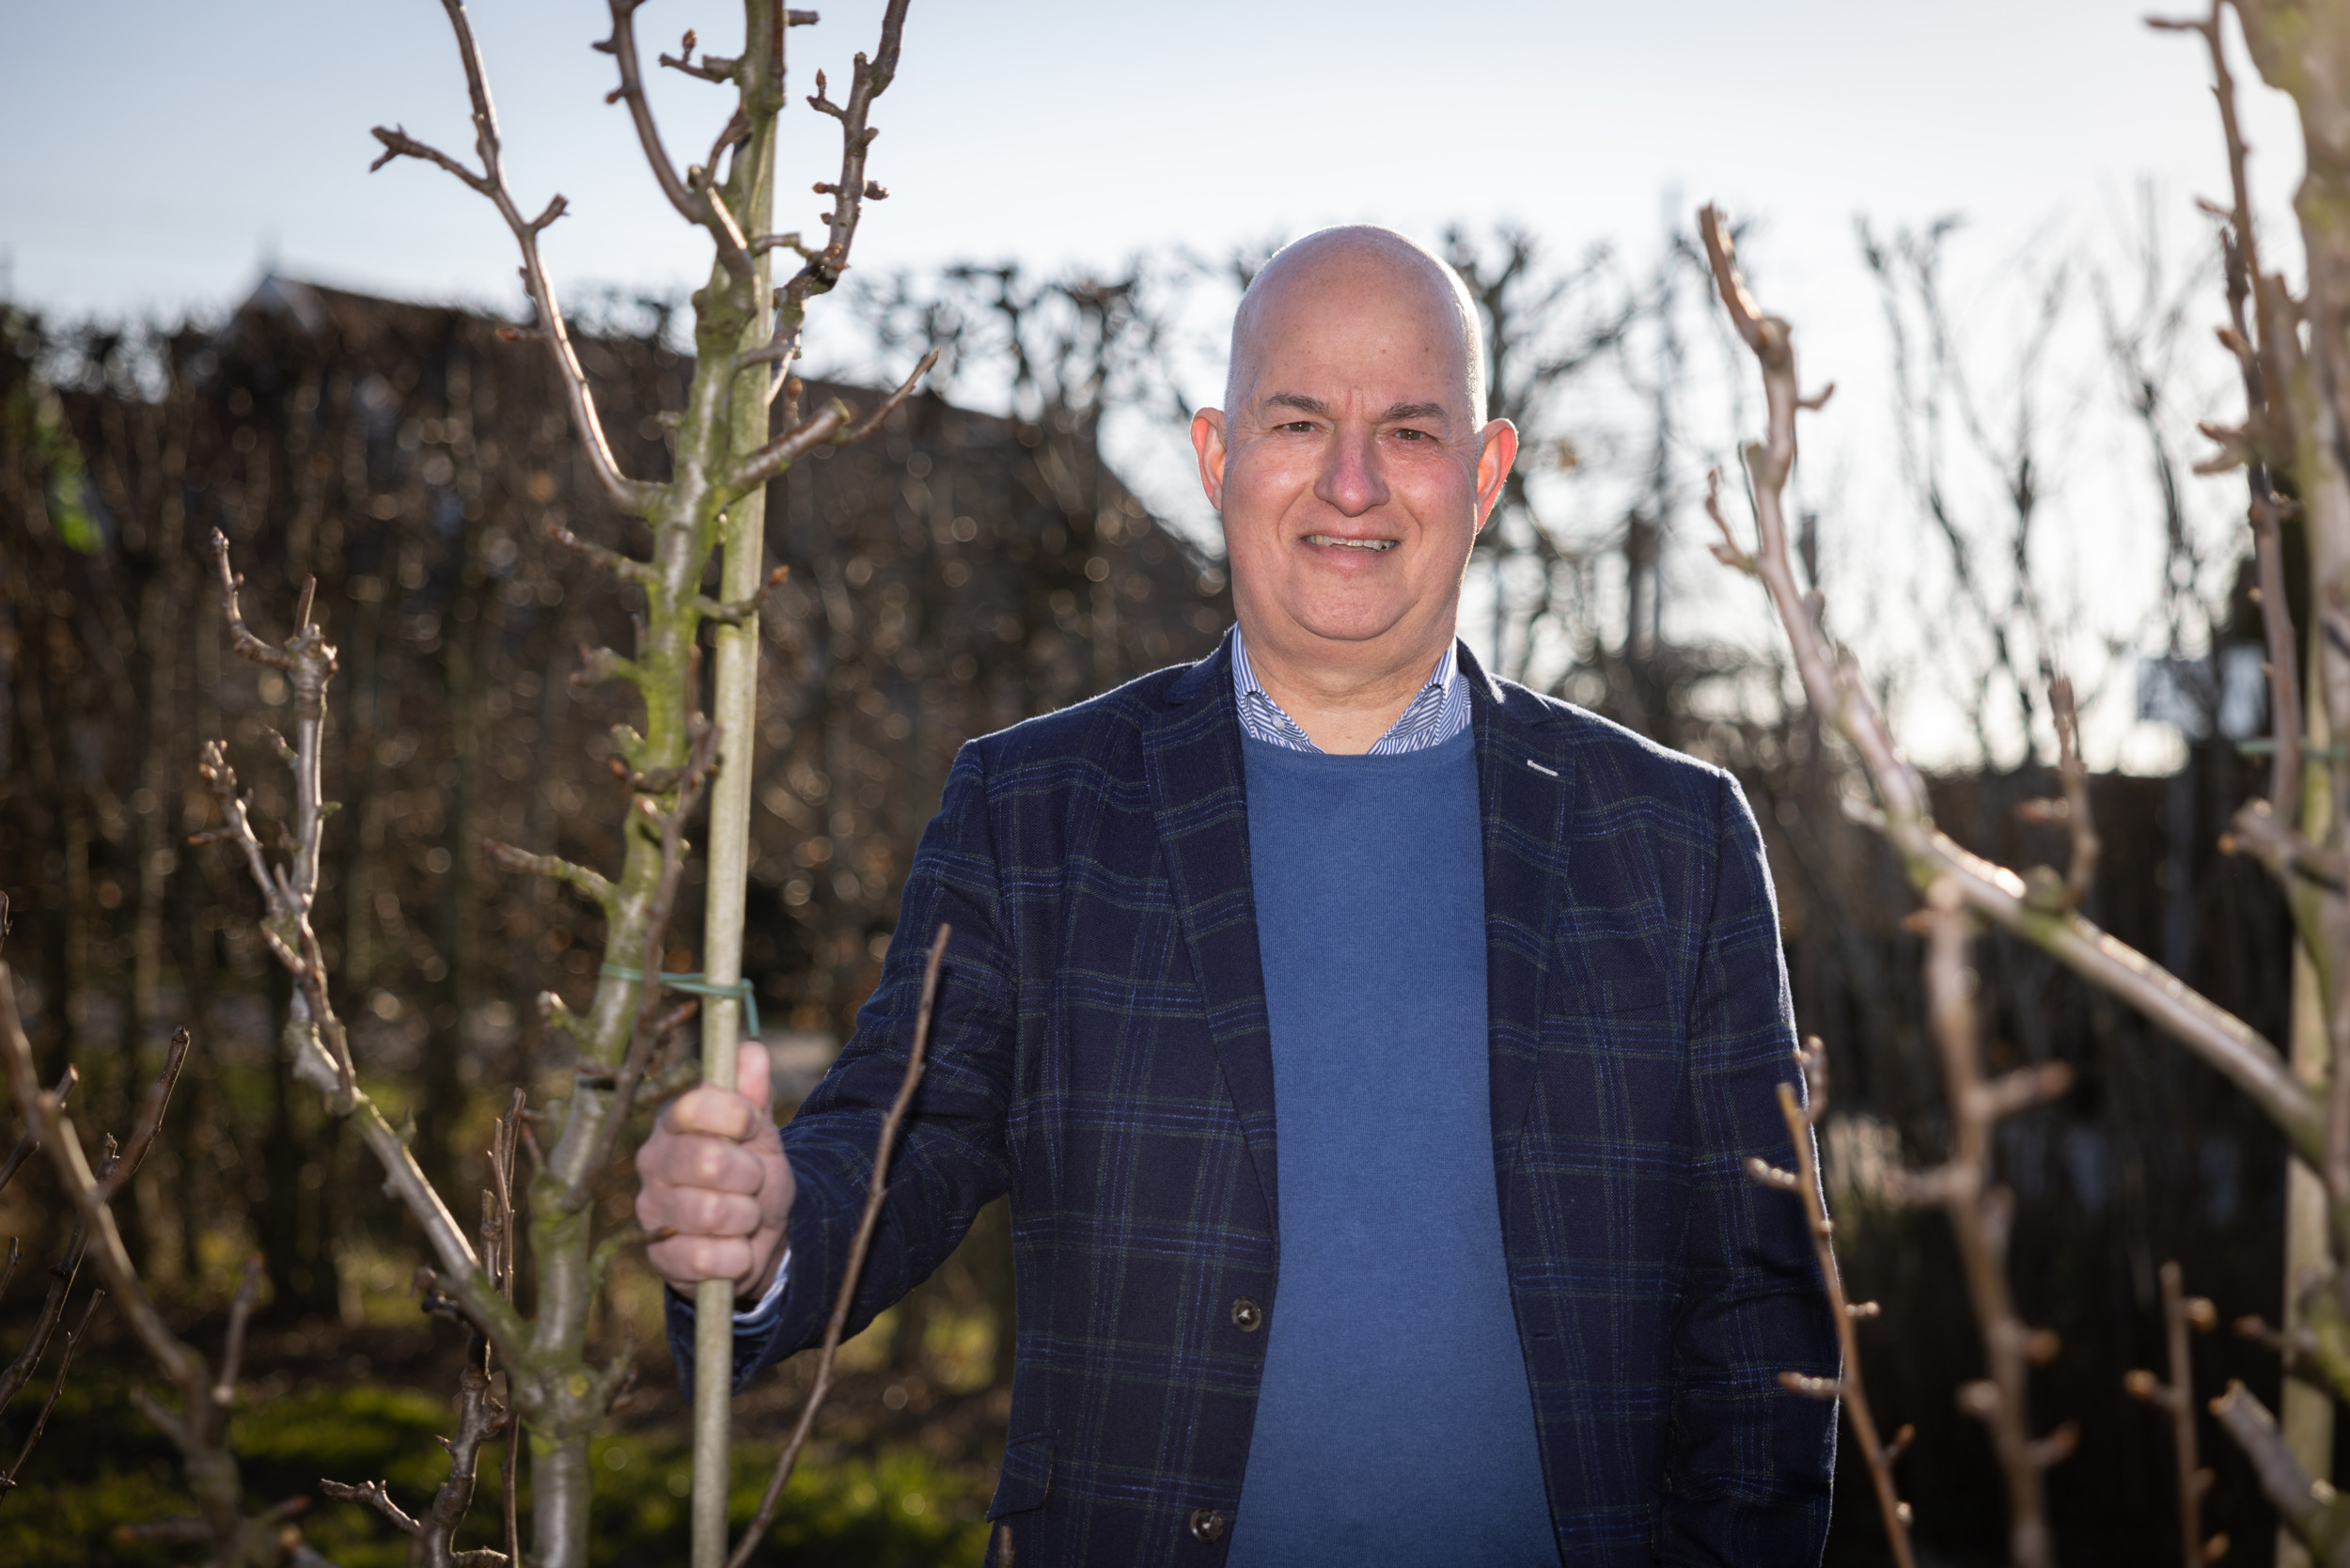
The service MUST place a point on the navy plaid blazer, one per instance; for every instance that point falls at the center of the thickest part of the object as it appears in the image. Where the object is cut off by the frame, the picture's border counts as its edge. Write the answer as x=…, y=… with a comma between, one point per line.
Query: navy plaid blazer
x=1100, y=1052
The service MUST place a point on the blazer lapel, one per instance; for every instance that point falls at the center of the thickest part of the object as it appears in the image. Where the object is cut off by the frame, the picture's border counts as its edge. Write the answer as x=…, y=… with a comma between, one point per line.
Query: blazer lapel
x=1191, y=753
x=1525, y=783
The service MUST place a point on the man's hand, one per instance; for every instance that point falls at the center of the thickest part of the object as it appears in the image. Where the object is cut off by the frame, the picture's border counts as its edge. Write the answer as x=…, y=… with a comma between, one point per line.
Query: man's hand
x=714, y=1169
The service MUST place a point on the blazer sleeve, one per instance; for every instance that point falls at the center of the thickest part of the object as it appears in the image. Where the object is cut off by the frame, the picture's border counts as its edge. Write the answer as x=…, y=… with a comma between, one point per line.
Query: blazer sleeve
x=950, y=1159
x=1749, y=1463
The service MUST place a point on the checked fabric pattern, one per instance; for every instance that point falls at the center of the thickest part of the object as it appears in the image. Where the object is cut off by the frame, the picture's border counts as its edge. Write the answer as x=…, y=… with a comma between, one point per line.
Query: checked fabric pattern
x=1101, y=1053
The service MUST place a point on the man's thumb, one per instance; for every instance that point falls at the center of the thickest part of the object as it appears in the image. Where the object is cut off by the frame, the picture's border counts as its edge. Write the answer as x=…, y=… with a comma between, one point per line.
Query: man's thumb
x=751, y=1079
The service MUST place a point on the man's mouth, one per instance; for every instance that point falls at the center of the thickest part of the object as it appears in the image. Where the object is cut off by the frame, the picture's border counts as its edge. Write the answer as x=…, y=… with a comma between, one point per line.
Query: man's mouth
x=1372, y=544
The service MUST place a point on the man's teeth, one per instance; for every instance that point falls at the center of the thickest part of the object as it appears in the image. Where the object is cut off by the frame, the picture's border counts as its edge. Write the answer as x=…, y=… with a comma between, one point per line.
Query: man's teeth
x=1351, y=544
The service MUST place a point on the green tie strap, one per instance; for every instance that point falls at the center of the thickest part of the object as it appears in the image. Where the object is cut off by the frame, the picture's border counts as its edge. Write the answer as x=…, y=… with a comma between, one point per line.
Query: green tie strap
x=693, y=980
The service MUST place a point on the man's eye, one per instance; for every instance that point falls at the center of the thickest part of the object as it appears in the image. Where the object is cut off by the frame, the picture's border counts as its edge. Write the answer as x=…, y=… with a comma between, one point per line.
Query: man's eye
x=1300, y=427
x=1411, y=436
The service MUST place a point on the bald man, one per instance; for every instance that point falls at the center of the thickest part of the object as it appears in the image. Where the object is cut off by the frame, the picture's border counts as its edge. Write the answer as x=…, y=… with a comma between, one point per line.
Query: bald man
x=1370, y=1049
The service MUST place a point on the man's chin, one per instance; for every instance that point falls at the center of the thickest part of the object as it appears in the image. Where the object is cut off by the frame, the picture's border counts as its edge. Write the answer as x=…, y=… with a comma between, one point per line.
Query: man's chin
x=1348, y=624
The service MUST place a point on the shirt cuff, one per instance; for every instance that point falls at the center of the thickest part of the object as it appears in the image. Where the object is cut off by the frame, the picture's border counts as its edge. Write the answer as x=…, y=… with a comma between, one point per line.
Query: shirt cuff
x=764, y=1312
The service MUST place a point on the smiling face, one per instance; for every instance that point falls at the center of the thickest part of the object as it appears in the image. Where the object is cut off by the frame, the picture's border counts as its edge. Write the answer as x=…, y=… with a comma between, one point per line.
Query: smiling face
x=1351, y=468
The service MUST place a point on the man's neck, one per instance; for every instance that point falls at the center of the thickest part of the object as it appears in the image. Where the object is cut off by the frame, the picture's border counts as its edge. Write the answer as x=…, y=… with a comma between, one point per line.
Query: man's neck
x=1343, y=704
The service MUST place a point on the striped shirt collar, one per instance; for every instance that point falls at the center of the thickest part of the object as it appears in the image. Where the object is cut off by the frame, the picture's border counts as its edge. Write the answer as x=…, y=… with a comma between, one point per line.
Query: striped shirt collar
x=1438, y=712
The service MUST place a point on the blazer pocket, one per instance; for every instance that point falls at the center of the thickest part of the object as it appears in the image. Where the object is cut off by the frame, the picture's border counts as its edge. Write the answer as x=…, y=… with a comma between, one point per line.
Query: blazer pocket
x=1641, y=991
x=1027, y=1476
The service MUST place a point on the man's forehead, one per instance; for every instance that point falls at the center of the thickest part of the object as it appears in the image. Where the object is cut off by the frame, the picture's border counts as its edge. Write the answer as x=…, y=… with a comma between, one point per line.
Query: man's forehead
x=1366, y=303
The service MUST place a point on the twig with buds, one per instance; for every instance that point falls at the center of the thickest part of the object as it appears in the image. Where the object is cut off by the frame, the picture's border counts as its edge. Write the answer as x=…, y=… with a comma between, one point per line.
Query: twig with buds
x=876, y=1189
x=1803, y=1115
x=630, y=495
x=2068, y=811
x=2182, y=1313
x=198, y=1428
x=1981, y=1213
x=315, y=1037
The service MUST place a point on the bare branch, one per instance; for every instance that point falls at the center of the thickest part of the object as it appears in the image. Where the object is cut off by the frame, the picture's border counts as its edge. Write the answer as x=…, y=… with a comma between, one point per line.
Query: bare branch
x=1980, y=1214
x=2176, y=1398
x=313, y=1036
x=829, y=426
x=738, y=612
x=625, y=567
x=1997, y=894
x=696, y=197
x=2069, y=810
x=64, y=1145
x=28, y=1142
x=632, y=497
x=770, y=461
x=868, y=81
x=479, y=1418
x=713, y=68
x=73, y=1341
x=1804, y=1182
x=240, y=1319
x=2257, y=831
x=151, y=1119
x=890, y=405
x=2318, y=1518
x=592, y=886
x=240, y=636
x=876, y=1189
x=376, y=1494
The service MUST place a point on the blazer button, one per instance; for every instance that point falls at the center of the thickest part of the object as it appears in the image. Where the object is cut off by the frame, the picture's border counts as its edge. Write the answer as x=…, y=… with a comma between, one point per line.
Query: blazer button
x=1246, y=1315
x=1208, y=1524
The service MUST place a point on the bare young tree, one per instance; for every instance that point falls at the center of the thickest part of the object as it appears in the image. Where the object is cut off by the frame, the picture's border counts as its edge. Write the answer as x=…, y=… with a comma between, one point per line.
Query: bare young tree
x=726, y=448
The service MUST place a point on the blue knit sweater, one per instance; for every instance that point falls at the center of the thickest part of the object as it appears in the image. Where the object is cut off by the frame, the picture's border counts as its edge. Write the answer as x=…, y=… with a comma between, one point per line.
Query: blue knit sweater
x=1394, y=1422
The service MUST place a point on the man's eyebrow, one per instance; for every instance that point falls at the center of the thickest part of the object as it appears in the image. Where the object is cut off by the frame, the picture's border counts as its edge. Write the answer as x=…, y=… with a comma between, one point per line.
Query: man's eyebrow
x=1395, y=413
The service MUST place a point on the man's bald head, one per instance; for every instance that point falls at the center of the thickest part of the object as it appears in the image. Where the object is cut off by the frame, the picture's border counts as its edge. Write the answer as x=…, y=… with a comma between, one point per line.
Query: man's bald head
x=1356, y=258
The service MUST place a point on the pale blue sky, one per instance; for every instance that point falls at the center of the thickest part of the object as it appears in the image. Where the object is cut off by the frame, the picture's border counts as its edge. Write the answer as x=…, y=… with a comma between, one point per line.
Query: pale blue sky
x=159, y=153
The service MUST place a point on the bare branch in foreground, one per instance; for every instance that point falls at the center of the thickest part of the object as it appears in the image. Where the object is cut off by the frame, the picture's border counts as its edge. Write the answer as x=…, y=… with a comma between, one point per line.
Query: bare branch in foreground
x=1981, y=1215
x=2176, y=1399
x=1839, y=694
x=876, y=1189
x=2317, y=1517
x=2069, y=811
x=1803, y=1181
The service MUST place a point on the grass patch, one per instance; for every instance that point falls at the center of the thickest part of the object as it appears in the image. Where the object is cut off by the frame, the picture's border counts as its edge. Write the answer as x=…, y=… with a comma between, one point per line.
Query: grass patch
x=101, y=1465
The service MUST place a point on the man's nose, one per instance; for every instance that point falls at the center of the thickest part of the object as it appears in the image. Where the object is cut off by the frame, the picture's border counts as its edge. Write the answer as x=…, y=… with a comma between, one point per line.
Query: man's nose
x=1349, y=481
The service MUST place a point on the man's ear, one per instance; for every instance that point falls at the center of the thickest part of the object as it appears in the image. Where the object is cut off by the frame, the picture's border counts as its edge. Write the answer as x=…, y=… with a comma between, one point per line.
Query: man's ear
x=1207, y=440
x=1497, y=452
